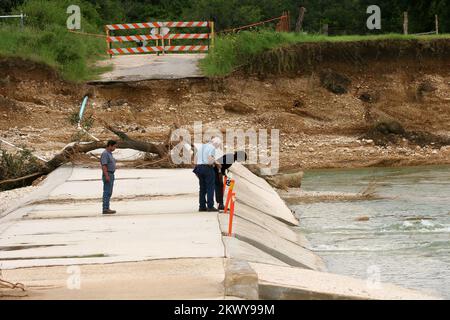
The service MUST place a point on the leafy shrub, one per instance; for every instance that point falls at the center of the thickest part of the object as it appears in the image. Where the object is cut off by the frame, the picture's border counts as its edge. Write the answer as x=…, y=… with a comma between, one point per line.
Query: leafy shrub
x=19, y=164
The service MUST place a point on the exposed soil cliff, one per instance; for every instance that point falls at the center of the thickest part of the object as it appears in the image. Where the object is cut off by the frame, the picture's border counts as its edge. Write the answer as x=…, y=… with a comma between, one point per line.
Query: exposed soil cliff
x=327, y=99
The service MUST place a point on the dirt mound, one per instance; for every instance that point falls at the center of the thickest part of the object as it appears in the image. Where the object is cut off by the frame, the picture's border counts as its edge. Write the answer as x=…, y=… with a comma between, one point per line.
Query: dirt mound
x=335, y=82
x=7, y=104
x=392, y=132
x=238, y=107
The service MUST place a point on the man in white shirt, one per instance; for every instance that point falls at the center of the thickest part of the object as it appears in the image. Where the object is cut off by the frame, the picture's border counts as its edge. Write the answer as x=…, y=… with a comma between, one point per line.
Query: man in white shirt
x=204, y=170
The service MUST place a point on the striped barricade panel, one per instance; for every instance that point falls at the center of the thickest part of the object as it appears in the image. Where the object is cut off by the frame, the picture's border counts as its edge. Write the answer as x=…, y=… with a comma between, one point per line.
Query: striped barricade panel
x=174, y=36
x=160, y=47
x=187, y=36
x=147, y=25
x=185, y=48
x=117, y=51
x=135, y=38
x=129, y=26
x=188, y=24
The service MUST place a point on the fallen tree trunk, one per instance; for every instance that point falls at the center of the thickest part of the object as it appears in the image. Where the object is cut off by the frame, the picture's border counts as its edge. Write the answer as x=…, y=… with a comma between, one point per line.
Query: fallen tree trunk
x=67, y=154
x=125, y=143
x=33, y=176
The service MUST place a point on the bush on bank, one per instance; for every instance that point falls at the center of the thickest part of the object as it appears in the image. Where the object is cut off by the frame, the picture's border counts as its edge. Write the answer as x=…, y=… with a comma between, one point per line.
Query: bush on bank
x=46, y=39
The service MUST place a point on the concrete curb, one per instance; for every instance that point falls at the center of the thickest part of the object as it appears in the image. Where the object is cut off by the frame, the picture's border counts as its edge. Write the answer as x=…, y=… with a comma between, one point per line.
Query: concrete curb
x=42, y=192
x=240, y=280
x=276, y=292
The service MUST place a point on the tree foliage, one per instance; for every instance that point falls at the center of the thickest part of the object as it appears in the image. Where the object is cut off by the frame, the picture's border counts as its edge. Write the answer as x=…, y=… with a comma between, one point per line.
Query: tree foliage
x=343, y=16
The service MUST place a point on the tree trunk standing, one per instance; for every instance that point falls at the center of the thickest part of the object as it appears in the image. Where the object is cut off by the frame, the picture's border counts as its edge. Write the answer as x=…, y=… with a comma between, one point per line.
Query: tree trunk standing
x=301, y=17
x=436, y=19
x=405, y=23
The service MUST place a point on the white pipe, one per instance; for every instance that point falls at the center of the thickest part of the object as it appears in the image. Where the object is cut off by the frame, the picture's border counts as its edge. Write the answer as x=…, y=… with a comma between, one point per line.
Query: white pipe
x=14, y=16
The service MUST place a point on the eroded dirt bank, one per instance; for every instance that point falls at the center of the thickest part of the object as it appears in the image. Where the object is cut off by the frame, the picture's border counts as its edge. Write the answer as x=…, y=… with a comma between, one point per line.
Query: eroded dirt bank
x=322, y=111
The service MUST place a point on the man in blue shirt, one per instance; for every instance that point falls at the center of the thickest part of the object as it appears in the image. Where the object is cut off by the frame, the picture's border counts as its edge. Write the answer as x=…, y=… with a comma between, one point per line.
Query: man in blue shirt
x=204, y=169
x=108, y=168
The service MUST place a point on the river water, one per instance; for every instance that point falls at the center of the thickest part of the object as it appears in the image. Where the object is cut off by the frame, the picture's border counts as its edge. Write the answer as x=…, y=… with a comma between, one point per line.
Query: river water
x=407, y=239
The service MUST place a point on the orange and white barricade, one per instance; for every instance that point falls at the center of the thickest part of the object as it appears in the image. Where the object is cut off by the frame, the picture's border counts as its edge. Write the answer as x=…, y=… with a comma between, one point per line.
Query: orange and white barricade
x=230, y=184
x=230, y=222
x=163, y=37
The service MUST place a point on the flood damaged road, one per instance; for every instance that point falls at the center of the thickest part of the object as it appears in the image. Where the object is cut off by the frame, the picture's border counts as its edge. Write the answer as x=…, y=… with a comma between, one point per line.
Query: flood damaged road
x=159, y=245
x=152, y=67
x=57, y=243
x=73, y=231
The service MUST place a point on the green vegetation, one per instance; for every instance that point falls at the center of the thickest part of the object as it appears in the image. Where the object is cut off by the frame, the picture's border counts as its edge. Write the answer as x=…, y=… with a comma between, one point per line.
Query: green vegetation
x=342, y=16
x=45, y=39
x=19, y=164
x=71, y=54
x=235, y=50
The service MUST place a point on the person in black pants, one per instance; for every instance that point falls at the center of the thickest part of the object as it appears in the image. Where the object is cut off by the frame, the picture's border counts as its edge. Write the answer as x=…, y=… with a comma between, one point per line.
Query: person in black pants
x=204, y=170
x=221, y=168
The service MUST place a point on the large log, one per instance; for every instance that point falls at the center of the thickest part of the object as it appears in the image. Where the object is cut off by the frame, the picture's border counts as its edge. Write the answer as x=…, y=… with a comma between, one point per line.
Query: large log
x=125, y=142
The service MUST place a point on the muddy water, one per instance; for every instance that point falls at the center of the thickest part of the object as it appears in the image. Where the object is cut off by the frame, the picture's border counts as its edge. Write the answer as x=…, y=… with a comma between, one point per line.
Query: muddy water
x=407, y=239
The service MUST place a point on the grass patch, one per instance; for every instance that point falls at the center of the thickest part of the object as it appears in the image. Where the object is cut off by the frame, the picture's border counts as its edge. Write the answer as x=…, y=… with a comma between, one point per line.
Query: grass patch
x=236, y=50
x=72, y=55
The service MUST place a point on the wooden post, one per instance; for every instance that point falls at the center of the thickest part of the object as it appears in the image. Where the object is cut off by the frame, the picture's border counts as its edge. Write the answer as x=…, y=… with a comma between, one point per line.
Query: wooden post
x=301, y=17
x=157, y=40
x=21, y=20
x=436, y=19
x=109, y=43
x=163, y=42
x=405, y=22
x=212, y=34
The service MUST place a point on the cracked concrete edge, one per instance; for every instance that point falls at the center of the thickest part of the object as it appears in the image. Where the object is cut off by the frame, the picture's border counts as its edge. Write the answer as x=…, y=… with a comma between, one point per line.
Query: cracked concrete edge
x=304, y=258
x=43, y=191
x=241, y=280
x=269, y=291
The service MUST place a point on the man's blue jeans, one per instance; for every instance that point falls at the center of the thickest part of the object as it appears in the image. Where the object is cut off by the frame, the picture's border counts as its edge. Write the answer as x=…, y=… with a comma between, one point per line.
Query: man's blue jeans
x=107, y=190
x=206, y=178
